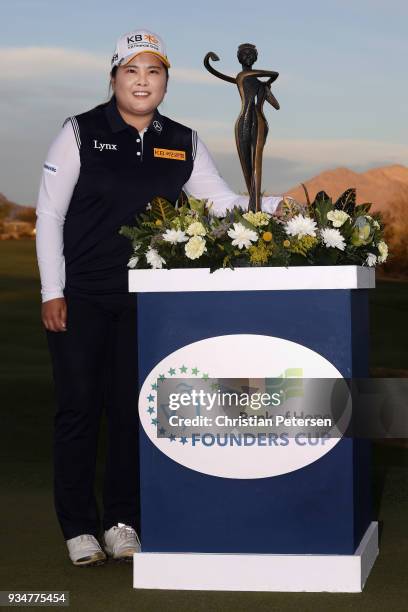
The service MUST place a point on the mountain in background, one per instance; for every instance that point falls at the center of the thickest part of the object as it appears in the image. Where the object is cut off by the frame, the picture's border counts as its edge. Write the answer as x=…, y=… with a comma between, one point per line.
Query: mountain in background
x=11, y=210
x=386, y=188
x=381, y=186
x=16, y=221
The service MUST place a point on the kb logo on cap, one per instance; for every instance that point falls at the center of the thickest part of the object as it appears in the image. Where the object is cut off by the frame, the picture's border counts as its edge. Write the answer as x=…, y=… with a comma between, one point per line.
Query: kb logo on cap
x=135, y=38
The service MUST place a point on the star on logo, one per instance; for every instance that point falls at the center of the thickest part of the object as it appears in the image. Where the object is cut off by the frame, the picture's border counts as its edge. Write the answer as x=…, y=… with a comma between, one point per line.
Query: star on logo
x=157, y=125
x=150, y=410
x=195, y=371
x=161, y=377
x=183, y=440
x=172, y=371
x=150, y=398
x=172, y=438
x=183, y=369
x=154, y=421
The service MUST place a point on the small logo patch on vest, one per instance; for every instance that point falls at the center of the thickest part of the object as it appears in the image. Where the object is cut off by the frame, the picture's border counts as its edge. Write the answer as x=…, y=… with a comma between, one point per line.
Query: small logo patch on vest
x=169, y=154
x=50, y=168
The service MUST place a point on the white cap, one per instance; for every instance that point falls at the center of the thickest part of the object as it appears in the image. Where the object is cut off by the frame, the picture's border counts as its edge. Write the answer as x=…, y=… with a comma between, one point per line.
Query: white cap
x=139, y=41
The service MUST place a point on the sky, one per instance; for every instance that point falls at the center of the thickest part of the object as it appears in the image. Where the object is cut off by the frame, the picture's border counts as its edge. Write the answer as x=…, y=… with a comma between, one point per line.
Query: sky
x=342, y=83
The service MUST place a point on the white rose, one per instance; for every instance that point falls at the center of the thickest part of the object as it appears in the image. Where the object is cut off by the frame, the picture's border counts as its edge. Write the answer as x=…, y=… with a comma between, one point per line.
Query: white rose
x=337, y=217
x=383, y=248
x=196, y=229
x=195, y=247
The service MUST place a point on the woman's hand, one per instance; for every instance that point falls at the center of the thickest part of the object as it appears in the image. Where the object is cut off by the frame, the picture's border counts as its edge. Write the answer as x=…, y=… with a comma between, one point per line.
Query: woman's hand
x=54, y=314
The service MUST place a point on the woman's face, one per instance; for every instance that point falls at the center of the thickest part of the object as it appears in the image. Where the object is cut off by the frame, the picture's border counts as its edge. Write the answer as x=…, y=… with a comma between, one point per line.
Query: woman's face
x=140, y=85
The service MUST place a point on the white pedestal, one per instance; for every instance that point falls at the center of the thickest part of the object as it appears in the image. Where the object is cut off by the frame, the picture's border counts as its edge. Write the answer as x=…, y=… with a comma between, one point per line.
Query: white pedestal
x=295, y=278
x=247, y=572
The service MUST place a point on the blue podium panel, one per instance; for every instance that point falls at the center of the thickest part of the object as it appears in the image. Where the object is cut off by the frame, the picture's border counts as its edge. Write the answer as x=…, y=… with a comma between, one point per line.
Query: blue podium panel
x=321, y=508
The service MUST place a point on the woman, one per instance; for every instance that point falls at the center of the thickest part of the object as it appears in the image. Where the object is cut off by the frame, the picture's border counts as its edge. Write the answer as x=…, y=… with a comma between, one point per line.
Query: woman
x=103, y=168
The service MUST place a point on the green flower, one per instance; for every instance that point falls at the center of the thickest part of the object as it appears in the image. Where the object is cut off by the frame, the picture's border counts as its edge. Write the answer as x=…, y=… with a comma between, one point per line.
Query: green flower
x=258, y=219
x=362, y=232
x=176, y=223
x=260, y=253
x=301, y=245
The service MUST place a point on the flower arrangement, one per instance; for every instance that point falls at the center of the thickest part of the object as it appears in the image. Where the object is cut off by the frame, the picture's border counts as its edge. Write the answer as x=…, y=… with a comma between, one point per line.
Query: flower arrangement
x=321, y=232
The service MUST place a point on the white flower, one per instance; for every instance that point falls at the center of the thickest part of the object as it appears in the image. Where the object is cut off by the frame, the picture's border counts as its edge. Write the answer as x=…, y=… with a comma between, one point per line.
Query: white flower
x=242, y=236
x=148, y=206
x=154, y=259
x=333, y=238
x=133, y=261
x=383, y=248
x=195, y=247
x=337, y=217
x=196, y=229
x=301, y=226
x=371, y=259
x=174, y=236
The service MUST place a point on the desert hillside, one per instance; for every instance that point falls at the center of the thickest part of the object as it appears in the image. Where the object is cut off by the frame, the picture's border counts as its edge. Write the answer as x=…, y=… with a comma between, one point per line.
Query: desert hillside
x=381, y=186
x=16, y=221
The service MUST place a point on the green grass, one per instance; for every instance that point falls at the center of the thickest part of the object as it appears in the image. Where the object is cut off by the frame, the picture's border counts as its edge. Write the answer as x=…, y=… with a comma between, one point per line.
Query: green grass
x=389, y=329
x=33, y=552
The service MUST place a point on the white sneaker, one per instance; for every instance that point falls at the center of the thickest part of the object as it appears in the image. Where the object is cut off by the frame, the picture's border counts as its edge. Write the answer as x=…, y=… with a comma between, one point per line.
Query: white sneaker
x=85, y=550
x=122, y=542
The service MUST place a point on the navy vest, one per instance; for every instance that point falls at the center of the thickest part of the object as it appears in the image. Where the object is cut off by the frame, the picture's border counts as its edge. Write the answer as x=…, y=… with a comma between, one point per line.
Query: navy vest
x=120, y=174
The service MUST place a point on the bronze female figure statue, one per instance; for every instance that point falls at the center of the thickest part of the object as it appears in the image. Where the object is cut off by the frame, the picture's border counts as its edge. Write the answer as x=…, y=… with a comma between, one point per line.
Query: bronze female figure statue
x=251, y=127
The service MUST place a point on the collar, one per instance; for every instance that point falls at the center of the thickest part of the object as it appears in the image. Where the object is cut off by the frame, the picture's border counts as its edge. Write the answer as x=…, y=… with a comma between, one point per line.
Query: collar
x=117, y=123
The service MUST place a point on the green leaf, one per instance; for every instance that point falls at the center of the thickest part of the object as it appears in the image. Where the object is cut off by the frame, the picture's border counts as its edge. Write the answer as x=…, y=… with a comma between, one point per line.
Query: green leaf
x=182, y=200
x=127, y=231
x=347, y=201
x=347, y=229
x=362, y=209
x=197, y=205
x=326, y=256
x=162, y=209
x=321, y=196
x=322, y=207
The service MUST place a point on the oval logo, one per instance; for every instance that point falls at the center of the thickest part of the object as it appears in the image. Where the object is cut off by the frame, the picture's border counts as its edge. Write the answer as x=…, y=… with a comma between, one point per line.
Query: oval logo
x=240, y=356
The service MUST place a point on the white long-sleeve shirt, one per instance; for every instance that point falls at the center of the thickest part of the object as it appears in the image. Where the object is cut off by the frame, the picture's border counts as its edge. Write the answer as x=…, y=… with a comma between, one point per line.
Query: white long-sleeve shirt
x=60, y=174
